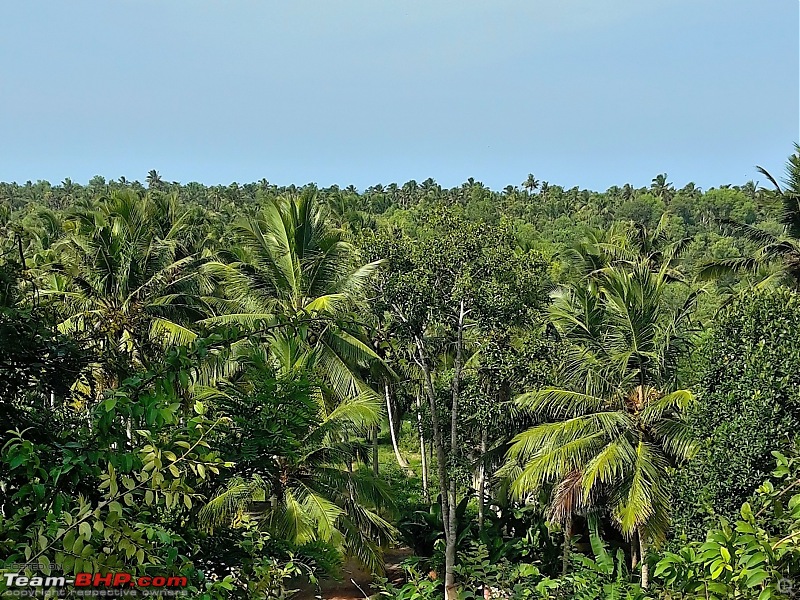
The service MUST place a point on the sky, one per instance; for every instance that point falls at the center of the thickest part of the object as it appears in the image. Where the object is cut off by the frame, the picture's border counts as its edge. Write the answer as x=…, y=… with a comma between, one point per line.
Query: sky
x=579, y=92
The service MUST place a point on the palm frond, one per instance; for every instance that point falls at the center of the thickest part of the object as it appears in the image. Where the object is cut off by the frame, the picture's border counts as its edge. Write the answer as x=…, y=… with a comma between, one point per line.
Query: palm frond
x=608, y=466
x=749, y=232
x=676, y=437
x=553, y=403
x=641, y=493
x=320, y=511
x=727, y=266
x=673, y=402
x=291, y=521
x=231, y=502
x=170, y=333
x=553, y=463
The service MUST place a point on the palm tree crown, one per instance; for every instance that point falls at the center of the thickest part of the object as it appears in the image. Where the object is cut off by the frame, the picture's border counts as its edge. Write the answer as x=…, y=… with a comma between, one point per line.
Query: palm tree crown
x=617, y=425
x=293, y=266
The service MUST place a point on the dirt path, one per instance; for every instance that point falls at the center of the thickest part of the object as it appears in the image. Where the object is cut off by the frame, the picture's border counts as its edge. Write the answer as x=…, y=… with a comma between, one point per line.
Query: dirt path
x=346, y=590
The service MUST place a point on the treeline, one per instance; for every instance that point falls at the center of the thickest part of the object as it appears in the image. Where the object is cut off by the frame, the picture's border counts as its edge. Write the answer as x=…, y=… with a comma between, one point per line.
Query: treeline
x=585, y=394
x=544, y=215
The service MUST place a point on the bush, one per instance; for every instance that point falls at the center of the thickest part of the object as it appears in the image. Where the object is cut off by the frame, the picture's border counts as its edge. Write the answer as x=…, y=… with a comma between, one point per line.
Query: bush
x=752, y=558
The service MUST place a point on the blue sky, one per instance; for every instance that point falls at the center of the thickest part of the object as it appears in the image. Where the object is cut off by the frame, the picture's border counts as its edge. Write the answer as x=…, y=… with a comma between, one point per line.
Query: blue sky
x=579, y=92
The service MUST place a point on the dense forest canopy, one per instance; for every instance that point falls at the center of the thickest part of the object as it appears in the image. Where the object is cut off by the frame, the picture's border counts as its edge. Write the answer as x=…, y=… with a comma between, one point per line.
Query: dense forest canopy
x=537, y=392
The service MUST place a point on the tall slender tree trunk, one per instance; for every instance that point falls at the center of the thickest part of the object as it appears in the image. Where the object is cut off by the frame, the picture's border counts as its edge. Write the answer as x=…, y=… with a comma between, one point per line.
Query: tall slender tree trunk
x=452, y=525
x=634, y=551
x=482, y=480
x=375, y=467
x=400, y=460
x=426, y=493
x=438, y=441
x=643, y=557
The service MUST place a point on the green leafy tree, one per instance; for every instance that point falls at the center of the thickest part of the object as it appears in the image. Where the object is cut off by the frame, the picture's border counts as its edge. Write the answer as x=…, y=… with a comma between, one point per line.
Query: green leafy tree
x=84, y=497
x=748, y=380
x=460, y=278
x=754, y=555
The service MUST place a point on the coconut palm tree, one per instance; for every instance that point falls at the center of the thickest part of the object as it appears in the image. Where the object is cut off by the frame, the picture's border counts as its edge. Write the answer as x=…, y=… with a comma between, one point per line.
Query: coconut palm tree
x=628, y=244
x=777, y=257
x=662, y=188
x=293, y=267
x=154, y=180
x=123, y=273
x=617, y=423
x=531, y=183
x=297, y=475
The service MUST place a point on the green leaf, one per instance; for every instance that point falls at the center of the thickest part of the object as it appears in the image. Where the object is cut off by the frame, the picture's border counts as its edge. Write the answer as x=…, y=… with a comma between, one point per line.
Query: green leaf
x=717, y=571
x=68, y=541
x=44, y=564
x=766, y=594
x=757, y=558
x=756, y=578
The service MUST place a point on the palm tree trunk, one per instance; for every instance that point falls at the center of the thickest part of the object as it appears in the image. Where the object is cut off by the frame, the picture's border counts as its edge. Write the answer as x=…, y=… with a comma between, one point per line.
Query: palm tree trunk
x=643, y=556
x=567, y=542
x=400, y=460
x=350, y=479
x=426, y=493
x=634, y=551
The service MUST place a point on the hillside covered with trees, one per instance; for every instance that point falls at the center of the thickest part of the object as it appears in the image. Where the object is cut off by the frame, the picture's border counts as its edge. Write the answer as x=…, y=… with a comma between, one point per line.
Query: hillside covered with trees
x=536, y=392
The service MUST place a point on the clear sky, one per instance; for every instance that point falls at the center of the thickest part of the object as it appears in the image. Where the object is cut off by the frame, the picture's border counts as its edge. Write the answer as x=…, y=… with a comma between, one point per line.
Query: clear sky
x=579, y=92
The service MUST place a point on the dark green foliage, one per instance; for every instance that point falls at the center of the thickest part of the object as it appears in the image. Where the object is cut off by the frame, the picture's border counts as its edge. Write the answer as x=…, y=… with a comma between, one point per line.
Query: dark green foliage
x=273, y=420
x=81, y=495
x=756, y=555
x=749, y=392
x=36, y=361
x=604, y=575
